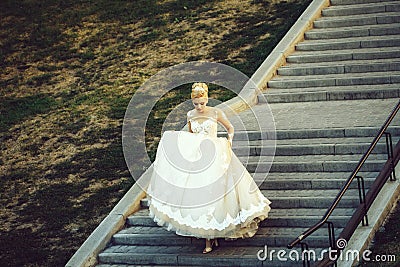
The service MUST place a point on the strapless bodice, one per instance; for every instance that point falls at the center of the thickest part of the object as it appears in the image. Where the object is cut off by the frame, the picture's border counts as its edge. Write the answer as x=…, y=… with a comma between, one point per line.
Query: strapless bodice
x=207, y=127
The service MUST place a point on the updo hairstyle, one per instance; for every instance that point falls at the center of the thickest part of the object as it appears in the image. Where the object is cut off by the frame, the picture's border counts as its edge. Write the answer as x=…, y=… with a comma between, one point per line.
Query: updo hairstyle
x=199, y=90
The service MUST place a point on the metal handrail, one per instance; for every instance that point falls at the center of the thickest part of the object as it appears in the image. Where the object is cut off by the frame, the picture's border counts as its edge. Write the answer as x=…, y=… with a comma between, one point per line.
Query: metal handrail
x=373, y=192
x=348, y=182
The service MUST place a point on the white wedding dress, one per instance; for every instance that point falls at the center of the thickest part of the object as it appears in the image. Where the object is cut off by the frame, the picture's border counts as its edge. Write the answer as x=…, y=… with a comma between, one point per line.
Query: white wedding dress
x=200, y=188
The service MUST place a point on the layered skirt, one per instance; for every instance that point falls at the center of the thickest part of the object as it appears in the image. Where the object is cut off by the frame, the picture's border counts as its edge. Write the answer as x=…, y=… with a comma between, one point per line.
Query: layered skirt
x=200, y=188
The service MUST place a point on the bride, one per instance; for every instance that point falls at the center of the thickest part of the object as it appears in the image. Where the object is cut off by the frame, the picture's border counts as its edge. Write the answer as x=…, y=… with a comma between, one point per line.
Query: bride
x=199, y=187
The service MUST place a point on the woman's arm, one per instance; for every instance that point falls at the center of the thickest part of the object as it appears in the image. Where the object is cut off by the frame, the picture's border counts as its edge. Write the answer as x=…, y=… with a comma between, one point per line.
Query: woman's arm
x=188, y=117
x=226, y=123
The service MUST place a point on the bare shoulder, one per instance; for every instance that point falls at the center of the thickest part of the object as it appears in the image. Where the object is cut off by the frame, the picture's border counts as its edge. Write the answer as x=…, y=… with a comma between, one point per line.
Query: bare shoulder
x=190, y=114
x=220, y=113
x=221, y=117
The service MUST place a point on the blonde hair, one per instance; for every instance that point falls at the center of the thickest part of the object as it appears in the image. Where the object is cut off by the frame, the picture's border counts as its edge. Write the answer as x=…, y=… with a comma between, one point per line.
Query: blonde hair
x=199, y=90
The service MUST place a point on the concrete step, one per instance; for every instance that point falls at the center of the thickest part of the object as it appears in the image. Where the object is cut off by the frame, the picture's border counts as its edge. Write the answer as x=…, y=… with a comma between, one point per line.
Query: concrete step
x=328, y=166
x=332, y=132
x=308, y=181
x=329, y=96
x=272, y=236
x=379, y=91
x=312, y=141
x=349, y=43
x=307, y=149
x=358, y=9
x=354, y=31
x=357, y=20
x=348, y=79
x=278, y=217
x=297, y=147
x=305, y=217
x=307, y=202
x=304, y=199
x=327, y=118
x=192, y=256
x=311, y=176
x=296, y=202
x=311, y=133
x=310, y=199
x=344, y=55
x=313, y=158
x=130, y=265
x=316, y=163
x=340, y=67
x=315, y=193
x=178, y=255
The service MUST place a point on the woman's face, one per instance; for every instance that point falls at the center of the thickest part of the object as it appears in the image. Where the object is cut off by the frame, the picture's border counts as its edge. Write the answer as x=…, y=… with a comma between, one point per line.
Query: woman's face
x=200, y=104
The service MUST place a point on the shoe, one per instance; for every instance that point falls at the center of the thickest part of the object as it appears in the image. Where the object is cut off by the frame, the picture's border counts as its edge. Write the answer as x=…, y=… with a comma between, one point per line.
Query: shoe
x=210, y=245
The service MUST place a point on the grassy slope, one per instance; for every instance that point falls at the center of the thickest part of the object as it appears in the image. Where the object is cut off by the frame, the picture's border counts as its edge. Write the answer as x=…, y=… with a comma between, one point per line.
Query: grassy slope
x=386, y=243
x=68, y=71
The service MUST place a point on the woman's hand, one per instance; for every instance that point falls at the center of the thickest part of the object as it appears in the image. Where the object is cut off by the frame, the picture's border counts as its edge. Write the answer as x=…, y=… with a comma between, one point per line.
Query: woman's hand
x=226, y=123
x=230, y=138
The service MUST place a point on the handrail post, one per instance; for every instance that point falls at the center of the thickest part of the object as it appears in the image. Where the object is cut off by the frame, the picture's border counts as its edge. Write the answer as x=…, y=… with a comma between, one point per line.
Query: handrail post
x=389, y=149
x=332, y=239
x=304, y=247
x=361, y=194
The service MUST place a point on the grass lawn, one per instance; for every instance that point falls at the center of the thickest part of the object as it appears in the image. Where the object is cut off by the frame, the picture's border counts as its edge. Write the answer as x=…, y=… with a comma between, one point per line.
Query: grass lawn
x=386, y=243
x=68, y=71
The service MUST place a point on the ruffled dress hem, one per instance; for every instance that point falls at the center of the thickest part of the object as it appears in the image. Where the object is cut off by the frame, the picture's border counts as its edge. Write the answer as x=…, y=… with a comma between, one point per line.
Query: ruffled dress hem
x=244, y=225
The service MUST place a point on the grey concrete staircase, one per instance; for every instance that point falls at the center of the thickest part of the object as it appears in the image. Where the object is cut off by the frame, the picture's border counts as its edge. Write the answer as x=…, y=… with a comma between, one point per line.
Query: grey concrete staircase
x=329, y=101
x=303, y=182
x=353, y=52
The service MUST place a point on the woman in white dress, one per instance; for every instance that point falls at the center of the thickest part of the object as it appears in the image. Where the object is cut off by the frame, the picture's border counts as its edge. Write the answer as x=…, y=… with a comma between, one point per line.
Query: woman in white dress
x=198, y=186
